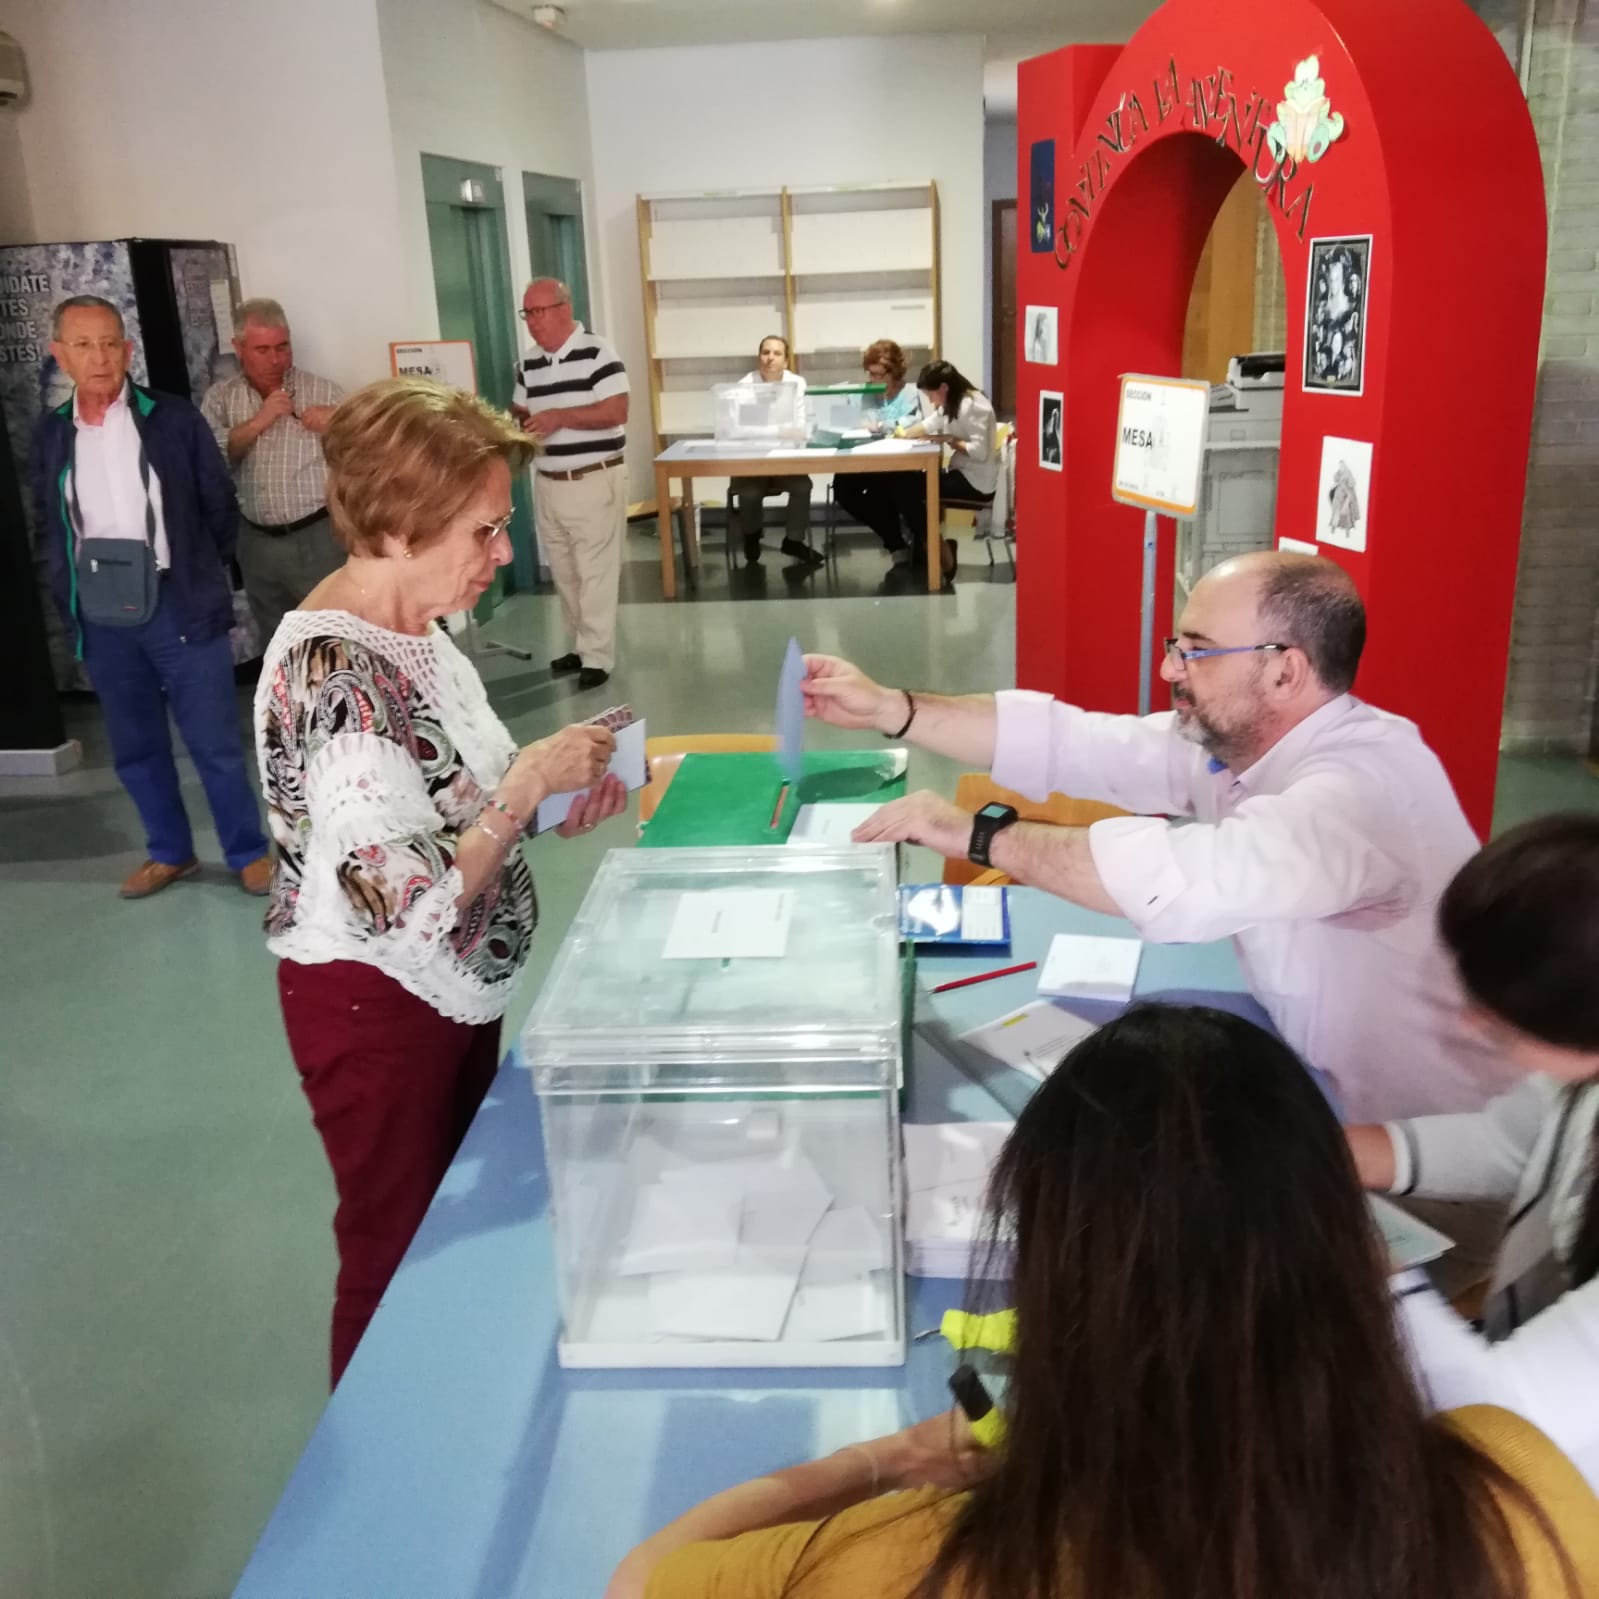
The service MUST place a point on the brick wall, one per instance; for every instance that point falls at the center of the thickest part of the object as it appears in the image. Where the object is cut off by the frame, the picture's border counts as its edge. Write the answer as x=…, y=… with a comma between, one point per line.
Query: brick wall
x=1549, y=699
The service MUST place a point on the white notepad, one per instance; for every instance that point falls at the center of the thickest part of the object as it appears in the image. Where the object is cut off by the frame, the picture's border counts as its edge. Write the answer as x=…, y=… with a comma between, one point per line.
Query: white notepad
x=1080, y=966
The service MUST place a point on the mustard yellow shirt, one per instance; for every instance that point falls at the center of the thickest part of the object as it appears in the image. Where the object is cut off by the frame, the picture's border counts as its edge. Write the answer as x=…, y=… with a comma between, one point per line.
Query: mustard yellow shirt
x=882, y=1548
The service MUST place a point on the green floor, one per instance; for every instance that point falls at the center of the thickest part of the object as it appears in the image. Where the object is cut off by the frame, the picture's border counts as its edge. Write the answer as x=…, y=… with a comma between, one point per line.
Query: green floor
x=166, y=1264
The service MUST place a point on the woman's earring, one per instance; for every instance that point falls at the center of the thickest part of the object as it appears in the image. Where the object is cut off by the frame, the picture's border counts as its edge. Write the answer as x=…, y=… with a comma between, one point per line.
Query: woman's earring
x=408, y=552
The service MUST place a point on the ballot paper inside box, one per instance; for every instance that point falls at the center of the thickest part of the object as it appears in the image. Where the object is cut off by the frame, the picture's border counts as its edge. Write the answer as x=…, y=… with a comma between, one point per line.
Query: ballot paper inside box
x=716, y=1054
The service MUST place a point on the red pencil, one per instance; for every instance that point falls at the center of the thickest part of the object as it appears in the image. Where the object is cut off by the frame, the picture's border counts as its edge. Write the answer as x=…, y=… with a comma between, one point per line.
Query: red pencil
x=983, y=977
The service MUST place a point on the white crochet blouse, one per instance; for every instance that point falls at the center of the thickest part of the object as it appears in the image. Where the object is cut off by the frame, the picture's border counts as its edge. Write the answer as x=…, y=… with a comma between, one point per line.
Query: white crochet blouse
x=377, y=750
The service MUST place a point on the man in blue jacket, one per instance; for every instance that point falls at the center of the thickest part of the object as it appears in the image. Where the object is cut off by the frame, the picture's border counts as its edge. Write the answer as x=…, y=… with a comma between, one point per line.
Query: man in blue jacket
x=138, y=515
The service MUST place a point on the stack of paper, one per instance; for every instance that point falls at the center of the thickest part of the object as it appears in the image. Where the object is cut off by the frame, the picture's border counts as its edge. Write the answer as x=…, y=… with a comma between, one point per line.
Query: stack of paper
x=1083, y=967
x=1409, y=1242
x=751, y=1248
x=946, y=1179
x=947, y=1167
x=1033, y=1039
x=831, y=823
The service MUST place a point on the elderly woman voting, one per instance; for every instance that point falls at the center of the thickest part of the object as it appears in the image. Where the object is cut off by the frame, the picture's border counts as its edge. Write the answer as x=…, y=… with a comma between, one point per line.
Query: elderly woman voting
x=401, y=908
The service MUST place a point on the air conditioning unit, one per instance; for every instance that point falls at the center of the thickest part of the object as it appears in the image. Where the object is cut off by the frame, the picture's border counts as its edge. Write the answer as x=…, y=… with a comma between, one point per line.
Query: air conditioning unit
x=13, y=72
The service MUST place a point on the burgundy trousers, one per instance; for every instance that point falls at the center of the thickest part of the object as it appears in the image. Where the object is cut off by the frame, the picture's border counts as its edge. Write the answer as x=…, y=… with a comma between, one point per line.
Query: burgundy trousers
x=393, y=1087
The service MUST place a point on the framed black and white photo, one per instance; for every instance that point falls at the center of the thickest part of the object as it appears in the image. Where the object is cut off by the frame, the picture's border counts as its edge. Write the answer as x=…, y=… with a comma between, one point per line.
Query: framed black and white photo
x=1335, y=315
x=1344, y=493
x=1041, y=344
x=1049, y=446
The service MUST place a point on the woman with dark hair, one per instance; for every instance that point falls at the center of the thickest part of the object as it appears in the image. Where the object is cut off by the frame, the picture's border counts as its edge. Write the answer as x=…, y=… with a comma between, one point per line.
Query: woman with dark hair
x=1207, y=1398
x=873, y=498
x=1521, y=920
x=957, y=413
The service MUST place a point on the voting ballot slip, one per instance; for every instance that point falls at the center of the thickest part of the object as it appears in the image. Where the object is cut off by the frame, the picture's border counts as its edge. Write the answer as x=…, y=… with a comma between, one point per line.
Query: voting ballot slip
x=627, y=763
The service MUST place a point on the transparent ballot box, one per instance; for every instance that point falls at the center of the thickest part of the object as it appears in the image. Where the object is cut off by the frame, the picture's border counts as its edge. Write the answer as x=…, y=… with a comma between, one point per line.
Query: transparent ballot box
x=717, y=1053
x=844, y=408
x=758, y=413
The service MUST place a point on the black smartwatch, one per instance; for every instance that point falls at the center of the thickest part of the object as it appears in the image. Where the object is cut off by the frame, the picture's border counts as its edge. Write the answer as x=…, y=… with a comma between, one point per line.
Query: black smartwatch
x=986, y=823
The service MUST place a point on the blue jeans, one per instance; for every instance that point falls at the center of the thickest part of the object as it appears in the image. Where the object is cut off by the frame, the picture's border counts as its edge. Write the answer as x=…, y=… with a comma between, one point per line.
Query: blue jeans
x=139, y=672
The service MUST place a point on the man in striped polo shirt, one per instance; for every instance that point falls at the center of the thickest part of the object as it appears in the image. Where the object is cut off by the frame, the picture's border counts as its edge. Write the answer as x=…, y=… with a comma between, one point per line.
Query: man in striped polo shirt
x=571, y=396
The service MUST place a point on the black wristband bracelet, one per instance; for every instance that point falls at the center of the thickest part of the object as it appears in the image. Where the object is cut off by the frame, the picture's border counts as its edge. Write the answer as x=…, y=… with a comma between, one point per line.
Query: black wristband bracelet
x=910, y=716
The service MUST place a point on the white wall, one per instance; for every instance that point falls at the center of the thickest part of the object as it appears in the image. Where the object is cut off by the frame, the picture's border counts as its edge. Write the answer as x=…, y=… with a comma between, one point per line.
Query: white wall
x=809, y=111
x=267, y=129
x=16, y=204
x=999, y=183
x=470, y=81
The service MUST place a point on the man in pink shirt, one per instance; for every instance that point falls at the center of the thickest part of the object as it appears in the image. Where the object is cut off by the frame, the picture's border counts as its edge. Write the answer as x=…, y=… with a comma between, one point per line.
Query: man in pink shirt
x=1322, y=834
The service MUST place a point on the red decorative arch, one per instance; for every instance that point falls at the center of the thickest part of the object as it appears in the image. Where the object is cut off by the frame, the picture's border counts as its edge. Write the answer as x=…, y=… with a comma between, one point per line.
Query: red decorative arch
x=1436, y=160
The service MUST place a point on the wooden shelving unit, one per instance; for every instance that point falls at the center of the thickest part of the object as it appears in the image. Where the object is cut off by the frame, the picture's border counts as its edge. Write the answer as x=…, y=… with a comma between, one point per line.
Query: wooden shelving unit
x=831, y=269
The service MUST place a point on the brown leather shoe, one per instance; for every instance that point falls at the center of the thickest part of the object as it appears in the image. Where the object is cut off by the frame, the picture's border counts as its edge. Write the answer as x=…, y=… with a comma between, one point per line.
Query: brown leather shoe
x=153, y=876
x=256, y=878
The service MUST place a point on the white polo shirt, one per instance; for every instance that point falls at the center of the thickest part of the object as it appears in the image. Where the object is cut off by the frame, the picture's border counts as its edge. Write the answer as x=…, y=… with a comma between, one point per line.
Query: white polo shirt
x=584, y=370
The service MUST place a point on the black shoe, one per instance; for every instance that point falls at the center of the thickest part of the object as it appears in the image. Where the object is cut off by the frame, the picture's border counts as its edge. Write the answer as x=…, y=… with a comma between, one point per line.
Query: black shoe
x=796, y=551
x=565, y=663
x=752, y=549
x=592, y=677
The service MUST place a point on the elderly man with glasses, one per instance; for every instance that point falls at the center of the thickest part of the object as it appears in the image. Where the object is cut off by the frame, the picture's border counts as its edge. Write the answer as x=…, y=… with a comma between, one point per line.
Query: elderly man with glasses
x=571, y=396
x=1323, y=831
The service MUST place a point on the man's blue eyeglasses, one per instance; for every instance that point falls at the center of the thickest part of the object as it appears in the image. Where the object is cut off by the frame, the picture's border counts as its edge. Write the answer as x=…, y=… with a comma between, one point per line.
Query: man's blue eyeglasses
x=1179, y=657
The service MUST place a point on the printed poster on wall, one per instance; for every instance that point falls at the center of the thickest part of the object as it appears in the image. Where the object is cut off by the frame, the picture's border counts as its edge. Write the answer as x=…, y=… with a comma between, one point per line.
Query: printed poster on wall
x=1042, y=344
x=1050, y=454
x=1335, y=315
x=1343, y=506
x=1041, y=197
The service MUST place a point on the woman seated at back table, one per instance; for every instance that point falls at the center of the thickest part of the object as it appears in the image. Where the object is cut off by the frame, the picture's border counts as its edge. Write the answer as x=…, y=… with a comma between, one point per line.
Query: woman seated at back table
x=873, y=498
x=958, y=413
x=1521, y=920
x=1208, y=1398
x=401, y=908
x=771, y=366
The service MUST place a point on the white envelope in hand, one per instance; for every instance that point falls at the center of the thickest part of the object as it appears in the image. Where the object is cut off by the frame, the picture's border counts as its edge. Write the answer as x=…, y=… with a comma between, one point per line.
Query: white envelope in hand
x=627, y=763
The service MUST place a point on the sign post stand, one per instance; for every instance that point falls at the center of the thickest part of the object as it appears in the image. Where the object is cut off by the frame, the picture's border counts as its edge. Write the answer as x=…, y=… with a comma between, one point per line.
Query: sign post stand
x=1160, y=453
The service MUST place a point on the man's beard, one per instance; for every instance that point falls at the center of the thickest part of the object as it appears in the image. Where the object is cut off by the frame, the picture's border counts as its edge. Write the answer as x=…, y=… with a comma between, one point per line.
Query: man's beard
x=1222, y=744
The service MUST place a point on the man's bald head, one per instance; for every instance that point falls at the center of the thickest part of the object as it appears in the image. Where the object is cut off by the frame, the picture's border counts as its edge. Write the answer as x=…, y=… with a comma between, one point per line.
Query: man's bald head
x=1307, y=601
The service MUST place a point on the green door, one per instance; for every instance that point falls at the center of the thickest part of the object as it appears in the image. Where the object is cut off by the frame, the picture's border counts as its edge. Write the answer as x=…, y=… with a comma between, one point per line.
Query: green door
x=554, y=209
x=472, y=286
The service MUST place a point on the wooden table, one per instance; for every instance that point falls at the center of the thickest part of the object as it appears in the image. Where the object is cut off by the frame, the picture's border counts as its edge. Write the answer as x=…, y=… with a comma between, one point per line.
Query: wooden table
x=692, y=458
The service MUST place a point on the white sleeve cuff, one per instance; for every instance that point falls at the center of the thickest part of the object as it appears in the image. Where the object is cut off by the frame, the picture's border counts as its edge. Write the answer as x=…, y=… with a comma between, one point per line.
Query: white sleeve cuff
x=1404, y=1158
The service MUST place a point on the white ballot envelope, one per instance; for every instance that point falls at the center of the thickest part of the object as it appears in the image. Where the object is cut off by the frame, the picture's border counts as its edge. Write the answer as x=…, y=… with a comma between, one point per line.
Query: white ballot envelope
x=627, y=763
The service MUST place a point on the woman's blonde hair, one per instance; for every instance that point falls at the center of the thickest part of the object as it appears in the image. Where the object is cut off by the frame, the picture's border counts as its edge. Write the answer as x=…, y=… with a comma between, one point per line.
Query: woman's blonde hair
x=405, y=455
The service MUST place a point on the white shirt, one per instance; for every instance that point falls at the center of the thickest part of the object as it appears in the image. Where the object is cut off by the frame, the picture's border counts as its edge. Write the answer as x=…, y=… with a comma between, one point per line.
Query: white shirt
x=973, y=425
x=584, y=370
x=1323, y=862
x=1533, y=1149
x=105, y=478
x=802, y=410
